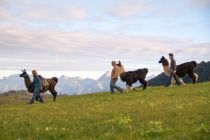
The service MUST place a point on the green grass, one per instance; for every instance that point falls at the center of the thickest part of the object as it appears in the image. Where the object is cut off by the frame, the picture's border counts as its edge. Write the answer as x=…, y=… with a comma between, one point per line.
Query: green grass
x=160, y=113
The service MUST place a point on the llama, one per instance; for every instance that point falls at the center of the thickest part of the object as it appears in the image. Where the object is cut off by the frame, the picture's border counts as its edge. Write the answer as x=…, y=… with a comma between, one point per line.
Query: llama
x=181, y=70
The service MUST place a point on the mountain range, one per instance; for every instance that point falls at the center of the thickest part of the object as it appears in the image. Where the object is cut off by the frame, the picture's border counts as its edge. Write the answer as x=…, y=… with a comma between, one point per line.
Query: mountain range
x=65, y=85
x=77, y=85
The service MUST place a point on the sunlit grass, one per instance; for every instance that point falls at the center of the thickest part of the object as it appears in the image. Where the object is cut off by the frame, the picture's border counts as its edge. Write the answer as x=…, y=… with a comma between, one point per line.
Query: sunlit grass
x=156, y=113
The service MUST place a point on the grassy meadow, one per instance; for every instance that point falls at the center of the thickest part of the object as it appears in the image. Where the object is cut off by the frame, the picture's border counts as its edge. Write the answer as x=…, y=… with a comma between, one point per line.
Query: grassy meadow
x=158, y=113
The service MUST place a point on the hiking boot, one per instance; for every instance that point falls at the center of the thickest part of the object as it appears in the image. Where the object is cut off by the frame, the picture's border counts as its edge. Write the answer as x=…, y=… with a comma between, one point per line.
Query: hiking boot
x=37, y=99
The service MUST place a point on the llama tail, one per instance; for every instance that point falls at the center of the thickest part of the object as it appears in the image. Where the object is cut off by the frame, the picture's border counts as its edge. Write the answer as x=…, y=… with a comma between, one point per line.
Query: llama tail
x=55, y=79
x=194, y=64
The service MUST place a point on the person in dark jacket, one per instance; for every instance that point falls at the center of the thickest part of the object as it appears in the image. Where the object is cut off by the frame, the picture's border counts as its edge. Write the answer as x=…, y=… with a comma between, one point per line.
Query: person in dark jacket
x=173, y=70
x=37, y=84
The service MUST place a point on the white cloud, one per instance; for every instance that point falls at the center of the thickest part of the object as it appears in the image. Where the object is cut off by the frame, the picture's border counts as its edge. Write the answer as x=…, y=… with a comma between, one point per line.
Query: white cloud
x=76, y=12
x=86, y=50
x=198, y=49
x=200, y=3
x=5, y=16
x=82, y=47
x=56, y=14
x=125, y=9
x=45, y=11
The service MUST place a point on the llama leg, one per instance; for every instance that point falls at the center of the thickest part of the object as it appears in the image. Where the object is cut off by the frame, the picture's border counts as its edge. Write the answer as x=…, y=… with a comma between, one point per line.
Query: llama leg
x=129, y=86
x=196, y=75
x=173, y=82
x=180, y=79
x=144, y=83
x=54, y=93
x=193, y=77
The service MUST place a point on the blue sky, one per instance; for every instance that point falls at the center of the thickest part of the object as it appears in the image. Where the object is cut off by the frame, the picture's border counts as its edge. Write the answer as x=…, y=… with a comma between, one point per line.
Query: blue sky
x=65, y=36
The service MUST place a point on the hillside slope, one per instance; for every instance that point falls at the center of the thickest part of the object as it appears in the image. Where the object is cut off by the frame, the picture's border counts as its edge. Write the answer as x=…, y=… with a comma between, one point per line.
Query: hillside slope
x=156, y=113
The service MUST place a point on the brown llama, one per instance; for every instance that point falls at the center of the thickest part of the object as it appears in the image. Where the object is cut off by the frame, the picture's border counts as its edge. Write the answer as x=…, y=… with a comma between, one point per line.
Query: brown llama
x=45, y=87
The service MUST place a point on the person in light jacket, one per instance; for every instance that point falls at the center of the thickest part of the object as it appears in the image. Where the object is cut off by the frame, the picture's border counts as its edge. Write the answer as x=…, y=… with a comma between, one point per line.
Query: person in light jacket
x=114, y=77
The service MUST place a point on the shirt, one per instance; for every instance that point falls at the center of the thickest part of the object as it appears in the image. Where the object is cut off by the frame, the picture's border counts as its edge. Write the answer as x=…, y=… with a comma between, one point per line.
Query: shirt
x=115, y=72
x=37, y=82
x=173, y=65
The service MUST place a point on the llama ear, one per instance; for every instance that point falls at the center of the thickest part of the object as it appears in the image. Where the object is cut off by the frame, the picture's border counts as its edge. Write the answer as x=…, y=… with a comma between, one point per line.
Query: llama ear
x=24, y=70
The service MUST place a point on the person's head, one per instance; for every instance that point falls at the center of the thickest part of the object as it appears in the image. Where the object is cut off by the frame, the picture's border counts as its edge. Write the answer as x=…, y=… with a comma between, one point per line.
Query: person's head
x=114, y=63
x=171, y=55
x=34, y=72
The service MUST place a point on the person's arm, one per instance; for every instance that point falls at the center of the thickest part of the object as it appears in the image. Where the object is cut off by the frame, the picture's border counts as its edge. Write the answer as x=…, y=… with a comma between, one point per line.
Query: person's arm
x=114, y=73
x=173, y=66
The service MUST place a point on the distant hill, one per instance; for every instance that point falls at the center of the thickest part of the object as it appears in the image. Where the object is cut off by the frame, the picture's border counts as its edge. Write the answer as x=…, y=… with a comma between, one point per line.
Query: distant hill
x=203, y=71
x=14, y=97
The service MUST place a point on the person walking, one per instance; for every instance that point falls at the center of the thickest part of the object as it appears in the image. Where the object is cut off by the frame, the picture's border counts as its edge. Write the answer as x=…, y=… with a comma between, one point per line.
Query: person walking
x=114, y=77
x=173, y=70
x=37, y=84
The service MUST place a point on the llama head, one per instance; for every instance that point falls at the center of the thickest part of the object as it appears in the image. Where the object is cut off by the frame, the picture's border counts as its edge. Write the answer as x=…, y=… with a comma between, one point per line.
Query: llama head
x=162, y=59
x=24, y=73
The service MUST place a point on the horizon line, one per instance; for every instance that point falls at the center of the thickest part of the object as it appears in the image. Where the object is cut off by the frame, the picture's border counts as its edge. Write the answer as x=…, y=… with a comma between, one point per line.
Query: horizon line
x=71, y=74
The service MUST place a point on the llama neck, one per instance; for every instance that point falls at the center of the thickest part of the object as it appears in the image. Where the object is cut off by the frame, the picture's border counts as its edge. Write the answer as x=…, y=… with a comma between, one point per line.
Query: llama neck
x=28, y=83
x=166, y=70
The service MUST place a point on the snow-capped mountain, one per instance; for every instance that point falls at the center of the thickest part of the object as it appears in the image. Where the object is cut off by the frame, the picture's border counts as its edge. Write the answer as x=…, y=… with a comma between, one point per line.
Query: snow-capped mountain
x=74, y=85
x=65, y=85
x=13, y=82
